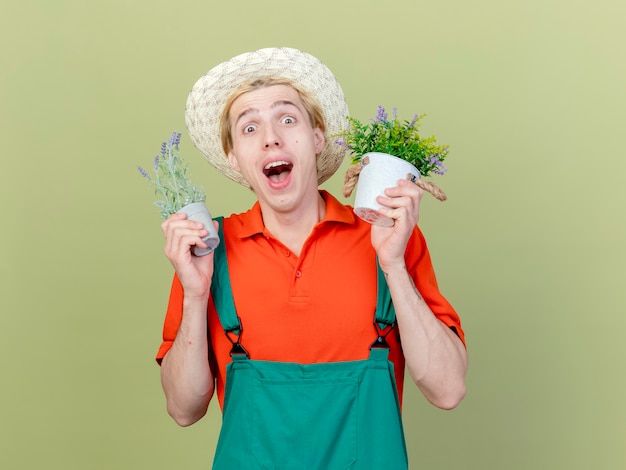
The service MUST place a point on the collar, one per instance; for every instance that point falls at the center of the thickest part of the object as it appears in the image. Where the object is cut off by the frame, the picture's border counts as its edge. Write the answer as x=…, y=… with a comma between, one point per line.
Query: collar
x=335, y=212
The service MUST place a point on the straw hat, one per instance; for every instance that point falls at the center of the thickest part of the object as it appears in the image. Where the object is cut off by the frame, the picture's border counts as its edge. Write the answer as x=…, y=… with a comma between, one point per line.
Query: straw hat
x=206, y=101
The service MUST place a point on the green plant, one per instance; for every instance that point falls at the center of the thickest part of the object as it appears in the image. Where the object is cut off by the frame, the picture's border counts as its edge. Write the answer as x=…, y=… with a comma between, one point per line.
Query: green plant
x=170, y=180
x=395, y=137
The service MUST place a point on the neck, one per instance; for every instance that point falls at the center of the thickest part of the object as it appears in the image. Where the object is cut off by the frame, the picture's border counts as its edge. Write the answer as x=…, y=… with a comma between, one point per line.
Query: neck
x=293, y=228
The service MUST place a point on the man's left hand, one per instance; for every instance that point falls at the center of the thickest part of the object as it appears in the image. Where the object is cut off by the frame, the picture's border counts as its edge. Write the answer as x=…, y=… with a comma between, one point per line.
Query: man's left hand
x=402, y=204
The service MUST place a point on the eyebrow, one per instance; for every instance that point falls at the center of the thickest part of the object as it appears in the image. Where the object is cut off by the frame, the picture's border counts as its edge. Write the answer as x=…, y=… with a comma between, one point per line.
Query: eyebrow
x=275, y=104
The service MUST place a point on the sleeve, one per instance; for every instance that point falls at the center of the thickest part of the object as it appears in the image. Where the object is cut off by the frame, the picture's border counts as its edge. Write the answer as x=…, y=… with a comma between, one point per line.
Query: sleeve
x=420, y=267
x=173, y=318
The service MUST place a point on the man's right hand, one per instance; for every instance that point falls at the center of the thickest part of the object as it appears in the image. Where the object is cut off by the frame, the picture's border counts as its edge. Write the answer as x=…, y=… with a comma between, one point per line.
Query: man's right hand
x=194, y=272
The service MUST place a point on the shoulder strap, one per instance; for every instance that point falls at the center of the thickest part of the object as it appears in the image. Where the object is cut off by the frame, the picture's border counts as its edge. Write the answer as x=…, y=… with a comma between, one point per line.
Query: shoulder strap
x=221, y=291
x=385, y=312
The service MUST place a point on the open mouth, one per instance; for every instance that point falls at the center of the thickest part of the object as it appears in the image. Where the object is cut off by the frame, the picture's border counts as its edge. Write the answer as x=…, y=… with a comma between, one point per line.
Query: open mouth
x=277, y=171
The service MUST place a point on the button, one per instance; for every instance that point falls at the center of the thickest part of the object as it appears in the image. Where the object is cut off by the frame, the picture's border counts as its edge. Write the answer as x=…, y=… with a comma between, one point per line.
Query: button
x=287, y=253
x=298, y=273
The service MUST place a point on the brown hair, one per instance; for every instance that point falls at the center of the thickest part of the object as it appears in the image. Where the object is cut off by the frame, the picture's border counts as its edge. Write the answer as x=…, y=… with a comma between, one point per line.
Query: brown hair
x=313, y=109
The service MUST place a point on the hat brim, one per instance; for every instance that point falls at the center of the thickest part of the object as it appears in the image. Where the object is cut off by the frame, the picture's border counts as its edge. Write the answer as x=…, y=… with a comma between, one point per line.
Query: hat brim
x=208, y=97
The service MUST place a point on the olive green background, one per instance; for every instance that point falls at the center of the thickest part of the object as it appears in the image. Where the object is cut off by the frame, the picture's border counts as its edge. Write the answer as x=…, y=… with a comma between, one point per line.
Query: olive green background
x=530, y=246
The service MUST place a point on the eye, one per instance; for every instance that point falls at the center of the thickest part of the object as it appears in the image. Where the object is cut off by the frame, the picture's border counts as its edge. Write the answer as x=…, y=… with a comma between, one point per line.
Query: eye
x=288, y=120
x=249, y=129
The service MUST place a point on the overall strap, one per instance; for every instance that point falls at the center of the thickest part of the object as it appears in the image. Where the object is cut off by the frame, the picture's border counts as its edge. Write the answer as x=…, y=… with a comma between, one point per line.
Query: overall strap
x=385, y=317
x=221, y=291
x=385, y=312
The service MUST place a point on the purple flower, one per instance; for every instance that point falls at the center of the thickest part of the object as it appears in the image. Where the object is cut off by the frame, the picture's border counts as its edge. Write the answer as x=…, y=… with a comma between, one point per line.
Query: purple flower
x=381, y=115
x=395, y=113
x=175, y=140
x=143, y=172
x=440, y=169
x=156, y=163
x=164, y=148
x=342, y=143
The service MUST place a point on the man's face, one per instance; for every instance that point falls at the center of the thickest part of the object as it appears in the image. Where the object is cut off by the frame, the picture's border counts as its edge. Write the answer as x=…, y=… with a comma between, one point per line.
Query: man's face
x=275, y=147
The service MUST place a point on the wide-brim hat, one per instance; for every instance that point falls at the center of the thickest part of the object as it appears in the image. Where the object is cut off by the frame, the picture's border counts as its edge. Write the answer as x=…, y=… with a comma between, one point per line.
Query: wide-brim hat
x=208, y=97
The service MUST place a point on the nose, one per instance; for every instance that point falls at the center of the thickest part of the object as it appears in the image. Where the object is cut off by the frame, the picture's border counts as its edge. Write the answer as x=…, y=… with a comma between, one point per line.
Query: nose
x=271, y=138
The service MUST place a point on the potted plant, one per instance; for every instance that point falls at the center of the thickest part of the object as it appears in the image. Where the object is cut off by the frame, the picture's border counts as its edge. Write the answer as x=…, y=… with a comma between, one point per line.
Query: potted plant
x=178, y=193
x=383, y=151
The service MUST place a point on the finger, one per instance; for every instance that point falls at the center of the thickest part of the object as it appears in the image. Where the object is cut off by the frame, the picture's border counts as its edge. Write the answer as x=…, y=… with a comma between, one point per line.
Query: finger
x=172, y=218
x=172, y=224
x=401, y=208
x=406, y=194
x=181, y=236
x=184, y=240
x=405, y=188
x=397, y=202
x=397, y=213
x=184, y=247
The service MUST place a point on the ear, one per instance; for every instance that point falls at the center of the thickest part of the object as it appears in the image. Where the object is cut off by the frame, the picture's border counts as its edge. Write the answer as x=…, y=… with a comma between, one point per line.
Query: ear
x=318, y=140
x=232, y=161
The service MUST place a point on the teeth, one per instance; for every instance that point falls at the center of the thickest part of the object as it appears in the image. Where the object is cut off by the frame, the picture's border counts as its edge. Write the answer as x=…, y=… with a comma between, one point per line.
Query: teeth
x=275, y=164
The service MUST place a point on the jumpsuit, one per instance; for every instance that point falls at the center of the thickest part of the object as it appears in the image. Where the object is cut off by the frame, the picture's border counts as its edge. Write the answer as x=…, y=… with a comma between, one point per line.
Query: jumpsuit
x=321, y=416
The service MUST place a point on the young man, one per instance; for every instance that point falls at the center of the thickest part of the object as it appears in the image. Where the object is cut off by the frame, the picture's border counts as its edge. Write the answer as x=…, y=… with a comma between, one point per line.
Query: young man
x=311, y=313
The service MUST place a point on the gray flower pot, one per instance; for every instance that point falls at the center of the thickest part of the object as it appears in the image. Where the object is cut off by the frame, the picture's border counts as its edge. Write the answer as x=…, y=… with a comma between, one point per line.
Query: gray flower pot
x=379, y=171
x=198, y=212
